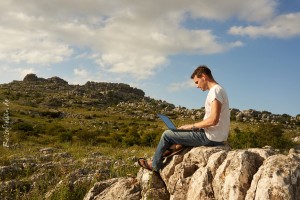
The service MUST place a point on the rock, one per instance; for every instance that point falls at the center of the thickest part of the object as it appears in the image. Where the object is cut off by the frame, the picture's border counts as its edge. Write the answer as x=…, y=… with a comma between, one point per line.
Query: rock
x=209, y=173
x=296, y=139
x=98, y=188
x=277, y=178
x=219, y=173
x=13, y=189
x=152, y=186
x=121, y=189
x=179, y=172
x=201, y=182
x=47, y=150
x=234, y=175
x=10, y=172
x=30, y=77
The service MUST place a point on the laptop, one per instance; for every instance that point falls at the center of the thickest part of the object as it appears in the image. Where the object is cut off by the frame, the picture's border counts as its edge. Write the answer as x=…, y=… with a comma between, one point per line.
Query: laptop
x=170, y=124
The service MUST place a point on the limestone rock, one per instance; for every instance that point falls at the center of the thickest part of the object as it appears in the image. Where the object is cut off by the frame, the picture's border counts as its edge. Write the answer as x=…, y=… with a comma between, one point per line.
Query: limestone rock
x=278, y=178
x=180, y=170
x=234, y=175
x=212, y=173
x=98, y=188
x=152, y=186
x=125, y=189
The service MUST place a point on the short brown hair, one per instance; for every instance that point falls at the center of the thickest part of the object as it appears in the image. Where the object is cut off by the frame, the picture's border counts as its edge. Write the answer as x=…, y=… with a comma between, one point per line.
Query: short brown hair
x=202, y=69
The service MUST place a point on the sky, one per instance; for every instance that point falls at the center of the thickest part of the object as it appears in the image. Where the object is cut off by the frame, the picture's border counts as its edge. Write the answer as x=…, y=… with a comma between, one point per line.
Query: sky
x=252, y=47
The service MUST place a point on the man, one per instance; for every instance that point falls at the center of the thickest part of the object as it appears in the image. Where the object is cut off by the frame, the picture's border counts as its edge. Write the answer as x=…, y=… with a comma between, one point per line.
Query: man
x=213, y=130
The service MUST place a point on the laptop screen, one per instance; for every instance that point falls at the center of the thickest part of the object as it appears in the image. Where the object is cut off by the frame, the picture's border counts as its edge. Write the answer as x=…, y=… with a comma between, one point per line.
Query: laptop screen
x=167, y=121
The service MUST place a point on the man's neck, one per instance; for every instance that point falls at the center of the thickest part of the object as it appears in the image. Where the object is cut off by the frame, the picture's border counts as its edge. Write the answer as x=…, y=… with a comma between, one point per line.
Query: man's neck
x=211, y=84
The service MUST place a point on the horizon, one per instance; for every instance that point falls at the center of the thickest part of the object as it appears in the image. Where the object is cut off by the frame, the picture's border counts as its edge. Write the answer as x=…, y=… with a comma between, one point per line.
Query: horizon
x=251, y=49
x=149, y=96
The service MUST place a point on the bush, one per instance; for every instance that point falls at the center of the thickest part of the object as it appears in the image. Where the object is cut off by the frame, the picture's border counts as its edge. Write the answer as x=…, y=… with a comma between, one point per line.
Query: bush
x=23, y=130
x=150, y=139
x=56, y=130
x=87, y=137
x=65, y=137
x=132, y=138
x=22, y=126
x=265, y=135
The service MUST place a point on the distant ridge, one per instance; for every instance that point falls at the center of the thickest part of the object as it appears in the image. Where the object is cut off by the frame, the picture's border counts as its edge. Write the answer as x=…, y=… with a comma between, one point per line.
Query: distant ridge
x=56, y=93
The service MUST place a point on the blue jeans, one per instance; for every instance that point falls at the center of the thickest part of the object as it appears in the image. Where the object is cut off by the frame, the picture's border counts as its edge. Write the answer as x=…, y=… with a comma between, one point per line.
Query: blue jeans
x=185, y=138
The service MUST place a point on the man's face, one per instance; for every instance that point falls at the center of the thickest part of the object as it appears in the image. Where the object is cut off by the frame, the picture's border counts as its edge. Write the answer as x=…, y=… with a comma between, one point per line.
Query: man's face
x=200, y=83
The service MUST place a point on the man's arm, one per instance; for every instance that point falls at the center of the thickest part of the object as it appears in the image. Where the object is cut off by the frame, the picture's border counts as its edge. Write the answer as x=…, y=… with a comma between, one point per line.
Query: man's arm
x=212, y=120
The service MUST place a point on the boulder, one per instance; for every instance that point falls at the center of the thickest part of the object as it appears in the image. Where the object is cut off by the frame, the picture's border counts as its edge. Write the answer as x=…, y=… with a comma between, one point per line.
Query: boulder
x=212, y=173
x=121, y=189
x=221, y=173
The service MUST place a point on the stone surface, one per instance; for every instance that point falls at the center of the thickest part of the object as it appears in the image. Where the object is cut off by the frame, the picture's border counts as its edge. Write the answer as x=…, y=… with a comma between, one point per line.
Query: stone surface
x=123, y=189
x=220, y=173
x=208, y=173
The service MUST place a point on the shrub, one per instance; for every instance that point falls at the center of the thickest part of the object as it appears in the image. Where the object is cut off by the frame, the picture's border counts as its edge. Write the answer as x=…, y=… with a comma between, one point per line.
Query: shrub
x=132, y=138
x=265, y=135
x=65, y=137
x=150, y=138
x=56, y=129
x=87, y=137
x=22, y=126
x=23, y=130
x=115, y=139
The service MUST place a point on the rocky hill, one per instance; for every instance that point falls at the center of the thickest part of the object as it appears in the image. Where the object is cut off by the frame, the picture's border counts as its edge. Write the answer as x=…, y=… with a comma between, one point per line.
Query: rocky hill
x=212, y=173
x=57, y=93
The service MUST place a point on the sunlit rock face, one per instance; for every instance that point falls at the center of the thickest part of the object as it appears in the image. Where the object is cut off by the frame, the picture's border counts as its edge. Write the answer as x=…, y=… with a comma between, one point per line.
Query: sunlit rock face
x=221, y=173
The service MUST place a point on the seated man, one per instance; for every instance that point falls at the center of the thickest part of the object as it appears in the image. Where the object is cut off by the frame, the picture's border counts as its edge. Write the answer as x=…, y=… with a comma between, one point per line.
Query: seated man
x=213, y=130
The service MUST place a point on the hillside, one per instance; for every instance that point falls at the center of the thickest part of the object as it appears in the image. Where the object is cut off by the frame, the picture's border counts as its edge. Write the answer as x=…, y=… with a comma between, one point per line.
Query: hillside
x=102, y=111
x=63, y=138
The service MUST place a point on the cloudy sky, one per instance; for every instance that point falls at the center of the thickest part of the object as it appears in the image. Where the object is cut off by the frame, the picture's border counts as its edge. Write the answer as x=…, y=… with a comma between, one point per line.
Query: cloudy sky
x=252, y=47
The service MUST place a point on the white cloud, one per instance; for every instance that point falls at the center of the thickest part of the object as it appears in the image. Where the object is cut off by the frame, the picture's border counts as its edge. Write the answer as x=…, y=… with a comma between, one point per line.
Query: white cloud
x=283, y=26
x=25, y=46
x=126, y=36
x=9, y=73
x=181, y=86
x=139, y=67
x=256, y=10
x=81, y=72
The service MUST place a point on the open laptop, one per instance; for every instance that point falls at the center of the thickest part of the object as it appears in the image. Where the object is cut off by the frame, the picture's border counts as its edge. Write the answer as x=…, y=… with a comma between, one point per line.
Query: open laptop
x=170, y=124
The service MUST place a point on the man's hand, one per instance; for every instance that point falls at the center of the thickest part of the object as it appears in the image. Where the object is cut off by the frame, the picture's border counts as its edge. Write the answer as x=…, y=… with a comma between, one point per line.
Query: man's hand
x=186, y=127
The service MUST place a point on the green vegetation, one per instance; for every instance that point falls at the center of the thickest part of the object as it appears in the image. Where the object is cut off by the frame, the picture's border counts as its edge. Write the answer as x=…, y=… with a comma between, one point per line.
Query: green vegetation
x=102, y=128
x=262, y=135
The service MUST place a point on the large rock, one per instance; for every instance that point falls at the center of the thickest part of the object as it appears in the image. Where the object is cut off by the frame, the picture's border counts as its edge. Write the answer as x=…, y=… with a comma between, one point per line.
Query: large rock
x=277, y=178
x=152, y=186
x=221, y=173
x=214, y=173
x=121, y=189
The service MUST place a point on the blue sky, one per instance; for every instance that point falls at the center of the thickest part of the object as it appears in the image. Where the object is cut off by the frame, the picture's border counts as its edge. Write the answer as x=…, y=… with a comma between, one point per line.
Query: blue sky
x=251, y=48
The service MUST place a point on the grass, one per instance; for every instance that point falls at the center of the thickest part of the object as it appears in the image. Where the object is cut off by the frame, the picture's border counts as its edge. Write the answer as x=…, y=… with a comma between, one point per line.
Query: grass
x=89, y=137
x=117, y=162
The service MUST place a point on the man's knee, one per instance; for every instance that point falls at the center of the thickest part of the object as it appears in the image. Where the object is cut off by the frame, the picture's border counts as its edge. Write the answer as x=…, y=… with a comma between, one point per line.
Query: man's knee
x=167, y=134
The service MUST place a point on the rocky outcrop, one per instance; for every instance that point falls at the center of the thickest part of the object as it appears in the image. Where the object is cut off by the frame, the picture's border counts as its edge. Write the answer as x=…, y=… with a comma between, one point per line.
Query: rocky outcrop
x=254, y=116
x=118, y=188
x=216, y=173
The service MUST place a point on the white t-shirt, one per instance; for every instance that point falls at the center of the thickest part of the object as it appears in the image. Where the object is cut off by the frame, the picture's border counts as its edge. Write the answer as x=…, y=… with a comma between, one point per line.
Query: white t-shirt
x=220, y=131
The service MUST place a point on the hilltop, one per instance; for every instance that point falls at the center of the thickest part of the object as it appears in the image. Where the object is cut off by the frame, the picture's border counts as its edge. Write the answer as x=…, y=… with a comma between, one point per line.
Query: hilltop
x=102, y=109
x=98, y=106
x=56, y=93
